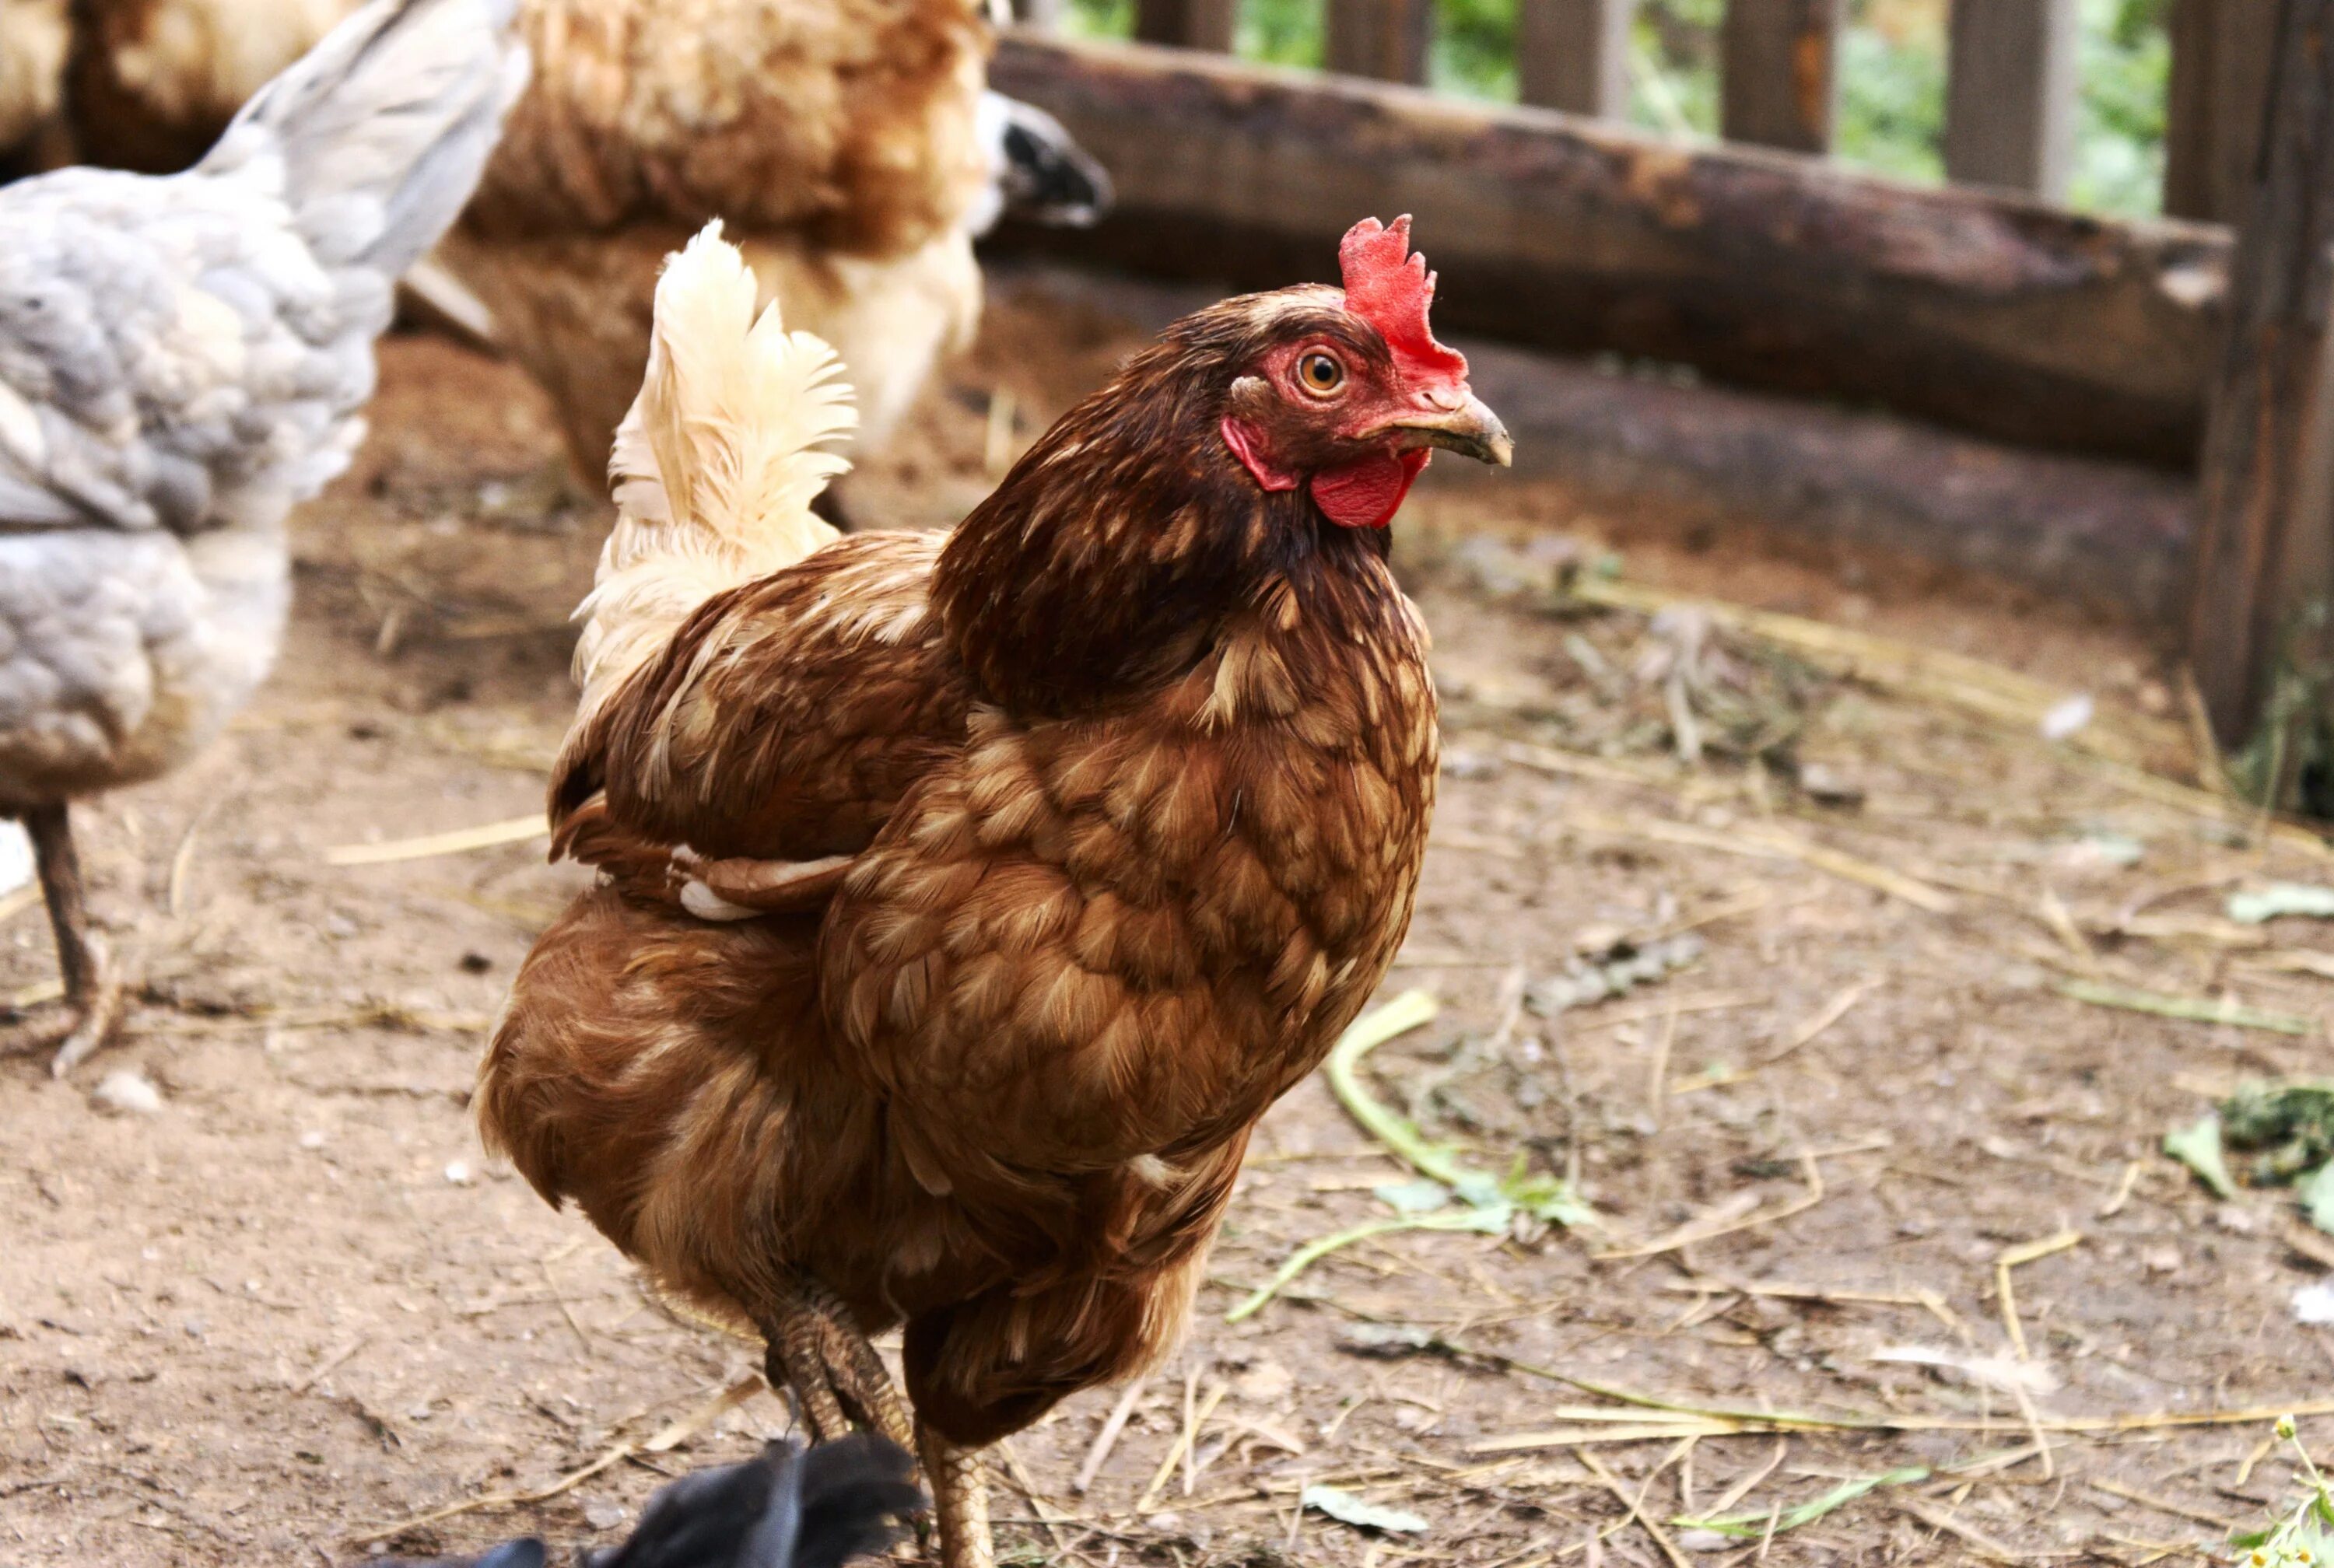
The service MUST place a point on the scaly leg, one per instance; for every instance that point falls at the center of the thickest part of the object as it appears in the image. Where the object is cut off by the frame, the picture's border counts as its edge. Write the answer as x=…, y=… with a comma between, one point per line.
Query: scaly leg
x=817, y=1352
x=93, y=1002
x=960, y=1499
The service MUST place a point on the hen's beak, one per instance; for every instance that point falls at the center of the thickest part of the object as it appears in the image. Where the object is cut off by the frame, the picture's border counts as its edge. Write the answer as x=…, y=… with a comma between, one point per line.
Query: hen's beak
x=1471, y=429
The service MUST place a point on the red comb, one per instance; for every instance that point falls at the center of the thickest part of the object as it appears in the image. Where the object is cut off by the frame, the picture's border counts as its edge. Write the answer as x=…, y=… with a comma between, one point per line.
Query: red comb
x=1391, y=289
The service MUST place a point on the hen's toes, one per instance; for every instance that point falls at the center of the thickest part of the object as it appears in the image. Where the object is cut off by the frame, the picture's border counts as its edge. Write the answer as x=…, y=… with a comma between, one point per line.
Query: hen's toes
x=91, y=1027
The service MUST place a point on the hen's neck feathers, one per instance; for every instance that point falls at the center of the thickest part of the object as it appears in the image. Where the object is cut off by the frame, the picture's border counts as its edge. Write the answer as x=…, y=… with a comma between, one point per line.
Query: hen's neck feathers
x=1116, y=551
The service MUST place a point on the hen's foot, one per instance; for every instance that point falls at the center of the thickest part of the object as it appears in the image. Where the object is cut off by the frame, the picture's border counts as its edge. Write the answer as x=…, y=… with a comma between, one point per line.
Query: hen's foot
x=959, y=1499
x=92, y=1001
x=838, y=1380
x=75, y=1029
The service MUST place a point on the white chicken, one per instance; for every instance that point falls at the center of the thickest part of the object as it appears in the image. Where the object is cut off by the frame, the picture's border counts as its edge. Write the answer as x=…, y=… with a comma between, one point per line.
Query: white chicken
x=183, y=359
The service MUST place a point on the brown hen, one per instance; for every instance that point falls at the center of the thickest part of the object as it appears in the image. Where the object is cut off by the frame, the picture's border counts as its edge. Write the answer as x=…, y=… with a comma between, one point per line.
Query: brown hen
x=966, y=900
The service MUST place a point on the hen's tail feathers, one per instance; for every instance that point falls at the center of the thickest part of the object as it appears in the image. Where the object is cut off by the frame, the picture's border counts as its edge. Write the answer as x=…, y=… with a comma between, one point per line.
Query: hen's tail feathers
x=787, y=1510
x=717, y=464
x=377, y=135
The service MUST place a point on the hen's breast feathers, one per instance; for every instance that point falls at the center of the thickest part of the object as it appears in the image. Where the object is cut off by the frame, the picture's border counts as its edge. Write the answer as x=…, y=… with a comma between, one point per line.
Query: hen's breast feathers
x=1125, y=935
x=1122, y=935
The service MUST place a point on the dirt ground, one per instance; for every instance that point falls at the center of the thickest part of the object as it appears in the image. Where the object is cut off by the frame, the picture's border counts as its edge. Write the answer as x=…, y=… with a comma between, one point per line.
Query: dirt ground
x=296, y=1310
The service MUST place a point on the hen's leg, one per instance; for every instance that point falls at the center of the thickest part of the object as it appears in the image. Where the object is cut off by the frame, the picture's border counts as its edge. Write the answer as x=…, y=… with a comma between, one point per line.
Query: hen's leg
x=817, y=1350
x=93, y=1002
x=960, y=1499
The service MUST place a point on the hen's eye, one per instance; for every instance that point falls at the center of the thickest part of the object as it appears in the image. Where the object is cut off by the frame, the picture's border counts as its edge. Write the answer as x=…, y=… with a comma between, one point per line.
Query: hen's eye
x=1320, y=374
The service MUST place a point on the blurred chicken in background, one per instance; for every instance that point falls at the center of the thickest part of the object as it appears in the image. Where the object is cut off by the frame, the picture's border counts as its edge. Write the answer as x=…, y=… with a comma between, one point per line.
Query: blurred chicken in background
x=182, y=360
x=153, y=82
x=848, y=145
x=34, y=35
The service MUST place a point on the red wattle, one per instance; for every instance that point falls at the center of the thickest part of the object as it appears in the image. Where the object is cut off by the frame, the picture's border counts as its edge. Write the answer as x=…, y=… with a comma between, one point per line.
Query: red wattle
x=1366, y=493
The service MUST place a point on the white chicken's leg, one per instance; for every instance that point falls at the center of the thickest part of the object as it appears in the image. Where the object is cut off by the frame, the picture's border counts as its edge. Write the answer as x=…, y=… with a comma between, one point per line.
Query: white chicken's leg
x=93, y=1002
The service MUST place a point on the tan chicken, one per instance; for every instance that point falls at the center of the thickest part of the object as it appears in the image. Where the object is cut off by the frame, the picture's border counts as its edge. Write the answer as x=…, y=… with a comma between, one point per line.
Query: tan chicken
x=846, y=144
x=155, y=81
x=34, y=35
x=966, y=899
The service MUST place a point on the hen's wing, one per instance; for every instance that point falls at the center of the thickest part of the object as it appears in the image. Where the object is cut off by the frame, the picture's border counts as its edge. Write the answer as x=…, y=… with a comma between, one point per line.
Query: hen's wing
x=784, y=721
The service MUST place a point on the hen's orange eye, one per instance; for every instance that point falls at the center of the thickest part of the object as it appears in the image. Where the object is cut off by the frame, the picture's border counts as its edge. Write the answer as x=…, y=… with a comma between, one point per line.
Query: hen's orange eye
x=1320, y=374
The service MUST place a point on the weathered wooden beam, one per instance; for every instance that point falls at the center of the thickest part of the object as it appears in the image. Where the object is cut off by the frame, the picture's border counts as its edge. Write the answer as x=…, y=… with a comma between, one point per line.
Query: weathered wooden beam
x=1978, y=310
x=2215, y=105
x=1574, y=55
x=1191, y=24
x=2265, y=544
x=1389, y=40
x=2010, y=85
x=1775, y=72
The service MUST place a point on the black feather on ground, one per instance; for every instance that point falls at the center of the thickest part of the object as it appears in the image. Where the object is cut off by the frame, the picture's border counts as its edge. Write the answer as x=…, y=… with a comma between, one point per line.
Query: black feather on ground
x=788, y=1508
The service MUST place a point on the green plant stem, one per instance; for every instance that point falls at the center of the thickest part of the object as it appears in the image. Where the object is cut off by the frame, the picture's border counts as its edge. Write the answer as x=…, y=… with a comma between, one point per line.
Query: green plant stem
x=1481, y=1221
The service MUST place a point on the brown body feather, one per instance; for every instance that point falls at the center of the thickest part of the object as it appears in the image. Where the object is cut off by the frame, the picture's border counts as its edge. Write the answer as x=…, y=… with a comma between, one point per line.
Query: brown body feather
x=1136, y=768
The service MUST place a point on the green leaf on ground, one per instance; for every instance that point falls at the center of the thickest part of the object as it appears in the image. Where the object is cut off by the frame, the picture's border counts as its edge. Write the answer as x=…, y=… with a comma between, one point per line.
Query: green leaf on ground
x=1752, y=1526
x=2198, y=1147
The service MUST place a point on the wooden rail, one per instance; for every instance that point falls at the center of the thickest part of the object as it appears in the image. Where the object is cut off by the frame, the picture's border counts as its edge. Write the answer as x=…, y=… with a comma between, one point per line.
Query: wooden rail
x=2011, y=78
x=1987, y=311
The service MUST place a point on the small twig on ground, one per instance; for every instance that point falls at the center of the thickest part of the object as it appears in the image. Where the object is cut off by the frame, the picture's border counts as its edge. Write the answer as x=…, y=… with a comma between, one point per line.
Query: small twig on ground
x=1695, y=1232
x=1750, y=1481
x=2159, y=1503
x=664, y=1441
x=1108, y=1437
x=1985, y=1545
x=512, y=830
x=1028, y=1488
x=332, y=1363
x=2122, y=1193
x=1194, y=1419
x=1658, y=1077
x=2018, y=1257
x=1832, y=1012
x=1644, y=1521
x=2191, y=1009
x=565, y=1310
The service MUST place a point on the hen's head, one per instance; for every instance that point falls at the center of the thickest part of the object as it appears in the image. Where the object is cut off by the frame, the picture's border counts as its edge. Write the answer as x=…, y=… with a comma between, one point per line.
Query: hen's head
x=1347, y=393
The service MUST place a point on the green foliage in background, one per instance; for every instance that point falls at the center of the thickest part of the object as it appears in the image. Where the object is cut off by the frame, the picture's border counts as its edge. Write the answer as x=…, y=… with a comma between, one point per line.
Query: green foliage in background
x=1892, y=77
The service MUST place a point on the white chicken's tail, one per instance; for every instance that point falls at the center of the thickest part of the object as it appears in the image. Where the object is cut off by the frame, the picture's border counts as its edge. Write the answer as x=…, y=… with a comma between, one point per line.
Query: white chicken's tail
x=717, y=464
x=377, y=135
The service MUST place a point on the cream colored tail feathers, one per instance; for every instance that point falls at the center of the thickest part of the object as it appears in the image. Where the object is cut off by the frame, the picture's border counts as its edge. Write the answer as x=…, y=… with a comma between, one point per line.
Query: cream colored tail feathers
x=715, y=467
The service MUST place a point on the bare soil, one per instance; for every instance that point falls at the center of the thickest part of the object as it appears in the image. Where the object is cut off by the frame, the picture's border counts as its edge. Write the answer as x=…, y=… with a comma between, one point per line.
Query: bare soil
x=297, y=1308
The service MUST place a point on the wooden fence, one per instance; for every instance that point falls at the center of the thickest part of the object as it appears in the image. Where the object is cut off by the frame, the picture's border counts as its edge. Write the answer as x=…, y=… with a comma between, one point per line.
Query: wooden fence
x=2012, y=77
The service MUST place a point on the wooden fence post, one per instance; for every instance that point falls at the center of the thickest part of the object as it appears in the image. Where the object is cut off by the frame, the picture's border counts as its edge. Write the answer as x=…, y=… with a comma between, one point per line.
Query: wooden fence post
x=1388, y=39
x=2265, y=541
x=1574, y=55
x=2215, y=105
x=1193, y=24
x=1775, y=80
x=2009, y=93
